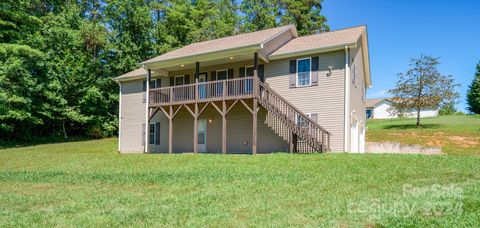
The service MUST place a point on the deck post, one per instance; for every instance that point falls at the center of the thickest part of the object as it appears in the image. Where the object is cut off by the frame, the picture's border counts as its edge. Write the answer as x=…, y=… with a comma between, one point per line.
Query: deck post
x=147, y=110
x=170, y=131
x=224, y=127
x=195, y=130
x=254, y=126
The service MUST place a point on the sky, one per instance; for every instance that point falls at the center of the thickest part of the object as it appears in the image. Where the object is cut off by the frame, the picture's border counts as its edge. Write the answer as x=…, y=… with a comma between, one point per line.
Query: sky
x=401, y=30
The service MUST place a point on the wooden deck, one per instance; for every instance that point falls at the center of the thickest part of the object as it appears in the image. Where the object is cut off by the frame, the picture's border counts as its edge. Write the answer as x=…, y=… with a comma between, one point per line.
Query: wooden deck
x=231, y=89
x=303, y=134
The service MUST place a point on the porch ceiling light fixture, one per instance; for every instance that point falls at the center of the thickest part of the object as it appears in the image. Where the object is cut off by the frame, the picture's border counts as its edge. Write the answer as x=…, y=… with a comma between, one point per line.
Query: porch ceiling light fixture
x=231, y=57
x=182, y=65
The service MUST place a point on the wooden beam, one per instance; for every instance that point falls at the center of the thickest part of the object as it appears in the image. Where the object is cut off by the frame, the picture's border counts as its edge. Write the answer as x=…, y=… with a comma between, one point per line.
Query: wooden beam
x=246, y=106
x=203, y=109
x=217, y=108
x=230, y=108
x=195, y=129
x=254, y=127
x=170, y=131
x=165, y=112
x=189, y=110
x=152, y=115
x=224, y=127
x=176, y=112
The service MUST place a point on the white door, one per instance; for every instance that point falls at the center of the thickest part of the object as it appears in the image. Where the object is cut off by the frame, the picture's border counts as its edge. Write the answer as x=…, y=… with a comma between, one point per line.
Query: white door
x=202, y=135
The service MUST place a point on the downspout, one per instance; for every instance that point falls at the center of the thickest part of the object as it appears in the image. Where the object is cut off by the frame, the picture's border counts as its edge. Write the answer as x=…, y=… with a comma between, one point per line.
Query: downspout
x=347, y=100
x=147, y=101
x=119, y=115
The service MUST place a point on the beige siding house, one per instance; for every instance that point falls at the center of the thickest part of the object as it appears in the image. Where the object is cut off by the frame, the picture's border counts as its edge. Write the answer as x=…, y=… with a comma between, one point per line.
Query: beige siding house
x=260, y=92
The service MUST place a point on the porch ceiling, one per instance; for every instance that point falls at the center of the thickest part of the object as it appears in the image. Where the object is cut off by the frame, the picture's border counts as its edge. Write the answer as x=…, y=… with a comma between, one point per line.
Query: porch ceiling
x=204, y=62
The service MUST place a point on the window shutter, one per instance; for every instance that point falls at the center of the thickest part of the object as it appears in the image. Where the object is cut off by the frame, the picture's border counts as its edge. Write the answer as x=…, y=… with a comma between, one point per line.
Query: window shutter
x=230, y=73
x=144, y=88
x=293, y=71
x=242, y=72
x=187, y=79
x=172, y=81
x=143, y=134
x=157, y=133
x=314, y=72
x=313, y=116
x=159, y=83
x=261, y=70
x=213, y=76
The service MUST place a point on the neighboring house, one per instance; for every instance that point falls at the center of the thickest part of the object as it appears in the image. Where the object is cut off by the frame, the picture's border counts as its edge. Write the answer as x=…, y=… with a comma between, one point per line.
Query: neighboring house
x=259, y=92
x=380, y=108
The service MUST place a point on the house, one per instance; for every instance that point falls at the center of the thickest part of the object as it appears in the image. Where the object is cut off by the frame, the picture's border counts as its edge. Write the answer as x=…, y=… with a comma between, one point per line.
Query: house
x=380, y=108
x=258, y=92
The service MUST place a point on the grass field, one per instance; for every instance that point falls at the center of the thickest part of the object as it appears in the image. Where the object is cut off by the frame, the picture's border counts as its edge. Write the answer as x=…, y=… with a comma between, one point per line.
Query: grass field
x=89, y=184
x=457, y=134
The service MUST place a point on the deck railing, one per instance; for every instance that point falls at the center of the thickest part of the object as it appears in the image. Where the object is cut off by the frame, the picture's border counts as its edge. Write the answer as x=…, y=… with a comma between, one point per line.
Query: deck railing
x=204, y=91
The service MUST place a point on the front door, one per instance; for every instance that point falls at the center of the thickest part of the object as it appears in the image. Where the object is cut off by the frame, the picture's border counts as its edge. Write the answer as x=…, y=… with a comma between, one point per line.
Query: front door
x=202, y=135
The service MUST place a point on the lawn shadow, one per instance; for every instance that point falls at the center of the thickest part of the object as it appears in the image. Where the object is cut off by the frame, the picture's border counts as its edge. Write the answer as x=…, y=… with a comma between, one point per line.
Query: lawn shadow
x=412, y=126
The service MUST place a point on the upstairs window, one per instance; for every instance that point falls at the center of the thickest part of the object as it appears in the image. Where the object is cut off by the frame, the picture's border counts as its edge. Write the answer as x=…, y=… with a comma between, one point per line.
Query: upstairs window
x=303, y=72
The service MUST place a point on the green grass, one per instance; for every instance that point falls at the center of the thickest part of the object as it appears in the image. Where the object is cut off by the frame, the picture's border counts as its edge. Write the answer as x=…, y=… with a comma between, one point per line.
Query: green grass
x=456, y=134
x=89, y=184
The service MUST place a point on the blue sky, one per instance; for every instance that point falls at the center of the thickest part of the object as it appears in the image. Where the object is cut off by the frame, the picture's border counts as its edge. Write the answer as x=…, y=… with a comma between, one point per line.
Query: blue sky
x=400, y=30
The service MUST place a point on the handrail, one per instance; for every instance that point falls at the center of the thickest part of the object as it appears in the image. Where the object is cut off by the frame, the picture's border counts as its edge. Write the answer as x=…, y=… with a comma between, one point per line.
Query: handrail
x=270, y=90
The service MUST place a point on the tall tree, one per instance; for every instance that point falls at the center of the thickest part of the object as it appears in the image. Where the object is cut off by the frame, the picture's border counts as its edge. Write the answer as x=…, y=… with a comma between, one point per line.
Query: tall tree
x=422, y=87
x=473, y=93
x=259, y=14
x=305, y=14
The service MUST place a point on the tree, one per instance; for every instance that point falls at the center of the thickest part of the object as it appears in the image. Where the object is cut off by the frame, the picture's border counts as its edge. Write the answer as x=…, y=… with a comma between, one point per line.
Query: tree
x=473, y=93
x=305, y=14
x=422, y=87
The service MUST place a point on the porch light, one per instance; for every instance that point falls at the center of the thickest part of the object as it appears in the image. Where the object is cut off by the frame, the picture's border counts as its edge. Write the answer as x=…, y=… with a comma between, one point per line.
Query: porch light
x=182, y=65
x=330, y=68
x=231, y=57
x=210, y=121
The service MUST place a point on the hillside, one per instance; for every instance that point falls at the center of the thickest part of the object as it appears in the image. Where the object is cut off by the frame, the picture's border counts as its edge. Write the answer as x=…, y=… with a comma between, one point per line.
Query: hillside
x=457, y=134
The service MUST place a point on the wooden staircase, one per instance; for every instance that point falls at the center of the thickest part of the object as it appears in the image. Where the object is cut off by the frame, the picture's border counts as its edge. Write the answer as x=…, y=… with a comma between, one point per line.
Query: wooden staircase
x=302, y=133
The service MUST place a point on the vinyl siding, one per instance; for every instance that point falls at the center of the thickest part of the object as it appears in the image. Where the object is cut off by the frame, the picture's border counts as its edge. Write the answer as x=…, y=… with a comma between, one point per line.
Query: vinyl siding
x=132, y=116
x=357, y=88
x=326, y=99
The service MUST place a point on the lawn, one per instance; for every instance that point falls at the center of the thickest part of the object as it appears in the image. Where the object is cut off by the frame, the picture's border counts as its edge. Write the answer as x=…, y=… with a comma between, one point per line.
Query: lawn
x=90, y=184
x=456, y=134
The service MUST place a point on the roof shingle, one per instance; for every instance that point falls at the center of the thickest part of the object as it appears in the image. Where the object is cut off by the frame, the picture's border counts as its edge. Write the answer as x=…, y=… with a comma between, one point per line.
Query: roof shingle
x=322, y=40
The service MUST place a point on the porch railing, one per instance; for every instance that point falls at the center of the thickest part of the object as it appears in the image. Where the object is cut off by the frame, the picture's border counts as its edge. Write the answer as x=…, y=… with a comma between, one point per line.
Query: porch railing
x=204, y=91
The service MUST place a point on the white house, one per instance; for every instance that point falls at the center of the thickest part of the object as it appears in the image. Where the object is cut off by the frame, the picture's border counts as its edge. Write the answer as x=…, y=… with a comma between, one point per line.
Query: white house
x=378, y=108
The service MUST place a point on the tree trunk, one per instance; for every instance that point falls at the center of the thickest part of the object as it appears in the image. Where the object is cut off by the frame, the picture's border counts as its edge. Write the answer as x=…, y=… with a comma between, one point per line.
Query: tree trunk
x=64, y=131
x=418, y=117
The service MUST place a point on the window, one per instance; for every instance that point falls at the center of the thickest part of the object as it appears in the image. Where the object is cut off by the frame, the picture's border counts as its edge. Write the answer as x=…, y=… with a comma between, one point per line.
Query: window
x=222, y=74
x=369, y=114
x=179, y=80
x=151, y=134
x=249, y=71
x=301, y=121
x=303, y=72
